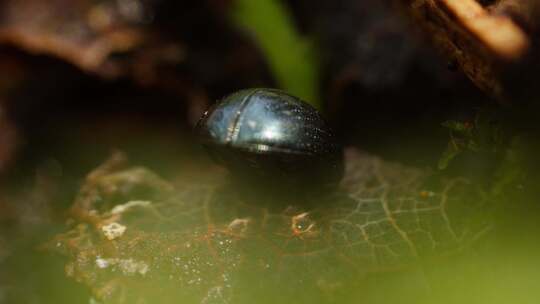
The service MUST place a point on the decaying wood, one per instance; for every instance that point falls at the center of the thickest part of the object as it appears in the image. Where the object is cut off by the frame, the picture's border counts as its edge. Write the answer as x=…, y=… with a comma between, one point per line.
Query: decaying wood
x=524, y=12
x=498, y=33
x=482, y=43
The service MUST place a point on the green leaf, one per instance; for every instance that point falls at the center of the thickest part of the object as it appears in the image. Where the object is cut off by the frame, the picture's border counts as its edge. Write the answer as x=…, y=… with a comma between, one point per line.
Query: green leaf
x=291, y=58
x=457, y=126
x=450, y=153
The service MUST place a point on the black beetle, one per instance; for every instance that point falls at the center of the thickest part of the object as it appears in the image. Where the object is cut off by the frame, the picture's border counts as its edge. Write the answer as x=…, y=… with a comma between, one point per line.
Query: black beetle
x=271, y=138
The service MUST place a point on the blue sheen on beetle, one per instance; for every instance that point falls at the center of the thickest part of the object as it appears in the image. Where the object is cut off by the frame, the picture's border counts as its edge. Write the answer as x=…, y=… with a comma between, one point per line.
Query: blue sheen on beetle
x=268, y=134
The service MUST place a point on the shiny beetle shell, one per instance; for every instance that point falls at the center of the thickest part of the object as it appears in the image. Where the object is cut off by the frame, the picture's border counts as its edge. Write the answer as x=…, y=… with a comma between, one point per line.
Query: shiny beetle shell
x=270, y=134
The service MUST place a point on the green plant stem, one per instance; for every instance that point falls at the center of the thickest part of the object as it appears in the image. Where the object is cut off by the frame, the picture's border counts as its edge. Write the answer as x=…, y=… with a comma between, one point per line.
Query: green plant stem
x=290, y=57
